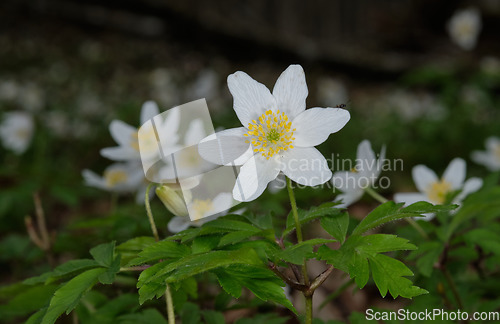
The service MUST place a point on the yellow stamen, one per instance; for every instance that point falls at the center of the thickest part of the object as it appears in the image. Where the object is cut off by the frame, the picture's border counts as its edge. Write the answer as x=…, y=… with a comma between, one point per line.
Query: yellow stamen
x=438, y=190
x=273, y=133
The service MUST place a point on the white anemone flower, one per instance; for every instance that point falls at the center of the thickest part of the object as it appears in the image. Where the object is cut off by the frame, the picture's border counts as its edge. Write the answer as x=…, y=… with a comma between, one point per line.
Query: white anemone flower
x=127, y=137
x=435, y=190
x=16, y=131
x=491, y=157
x=118, y=177
x=464, y=28
x=278, y=134
x=201, y=209
x=354, y=182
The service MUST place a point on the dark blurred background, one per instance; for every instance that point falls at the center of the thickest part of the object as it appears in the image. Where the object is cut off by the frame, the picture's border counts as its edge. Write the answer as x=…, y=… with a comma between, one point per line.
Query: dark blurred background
x=77, y=65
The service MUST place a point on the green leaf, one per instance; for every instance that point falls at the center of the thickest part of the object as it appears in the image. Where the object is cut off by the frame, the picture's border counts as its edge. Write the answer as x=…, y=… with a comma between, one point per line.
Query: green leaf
x=205, y=243
x=166, y=271
x=68, y=296
x=231, y=285
x=336, y=225
x=360, y=254
x=130, y=249
x=213, y=317
x=488, y=240
x=161, y=250
x=391, y=211
x=259, y=280
x=229, y=225
x=263, y=319
x=108, y=277
x=66, y=269
x=190, y=314
x=104, y=254
x=326, y=209
x=29, y=300
x=298, y=252
x=389, y=274
x=236, y=237
x=147, y=316
x=427, y=255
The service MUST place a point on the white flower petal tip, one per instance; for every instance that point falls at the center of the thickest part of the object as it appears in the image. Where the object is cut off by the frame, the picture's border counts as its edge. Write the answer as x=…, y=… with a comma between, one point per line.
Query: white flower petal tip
x=314, y=125
x=455, y=173
x=491, y=157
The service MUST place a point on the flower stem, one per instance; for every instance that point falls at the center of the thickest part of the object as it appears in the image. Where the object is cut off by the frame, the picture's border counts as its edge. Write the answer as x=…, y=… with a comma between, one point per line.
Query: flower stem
x=410, y=221
x=150, y=213
x=298, y=230
x=293, y=202
x=309, y=309
x=170, y=306
x=453, y=287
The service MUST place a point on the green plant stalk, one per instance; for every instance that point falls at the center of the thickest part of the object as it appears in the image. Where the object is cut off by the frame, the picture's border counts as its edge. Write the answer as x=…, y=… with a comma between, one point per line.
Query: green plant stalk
x=150, y=213
x=453, y=287
x=298, y=230
x=309, y=309
x=170, y=306
x=410, y=221
x=168, y=294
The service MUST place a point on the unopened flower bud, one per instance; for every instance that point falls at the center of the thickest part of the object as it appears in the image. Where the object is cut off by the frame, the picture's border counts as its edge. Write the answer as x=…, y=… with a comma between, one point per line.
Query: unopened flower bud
x=172, y=199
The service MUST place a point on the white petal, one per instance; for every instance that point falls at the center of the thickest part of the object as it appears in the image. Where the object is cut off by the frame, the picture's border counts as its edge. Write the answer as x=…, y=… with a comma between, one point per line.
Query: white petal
x=306, y=166
x=93, y=180
x=291, y=91
x=178, y=224
x=423, y=177
x=254, y=176
x=492, y=143
x=221, y=204
x=455, y=173
x=380, y=161
x=348, y=198
x=366, y=164
x=346, y=181
x=470, y=186
x=148, y=111
x=195, y=133
x=251, y=98
x=225, y=147
x=409, y=197
x=120, y=153
x=314, y=125
x=487, y=159
x=122, y=132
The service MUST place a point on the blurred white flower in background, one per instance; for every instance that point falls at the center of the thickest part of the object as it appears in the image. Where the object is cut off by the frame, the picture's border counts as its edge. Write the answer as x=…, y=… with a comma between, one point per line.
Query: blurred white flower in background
x=118, y=177
x=57, y=122
x=363, y=175
x=464, y=27
x=206, y=85
x=436, y=190
x=331, y=92
x=126, y=136
x=491, y=157
x=410, y=106
x=16, y=131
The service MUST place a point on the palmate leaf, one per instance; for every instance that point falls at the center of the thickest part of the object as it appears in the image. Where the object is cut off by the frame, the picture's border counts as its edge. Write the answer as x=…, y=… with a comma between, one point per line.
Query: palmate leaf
x=360, y=254
x=30, y=299
x=297, y=253
x=69, y=268
x=67, y=296
x=327, y=209
x=155, y=277
x=258, y=279
x=336, y=225
x=161, y=250
x=391, y=211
